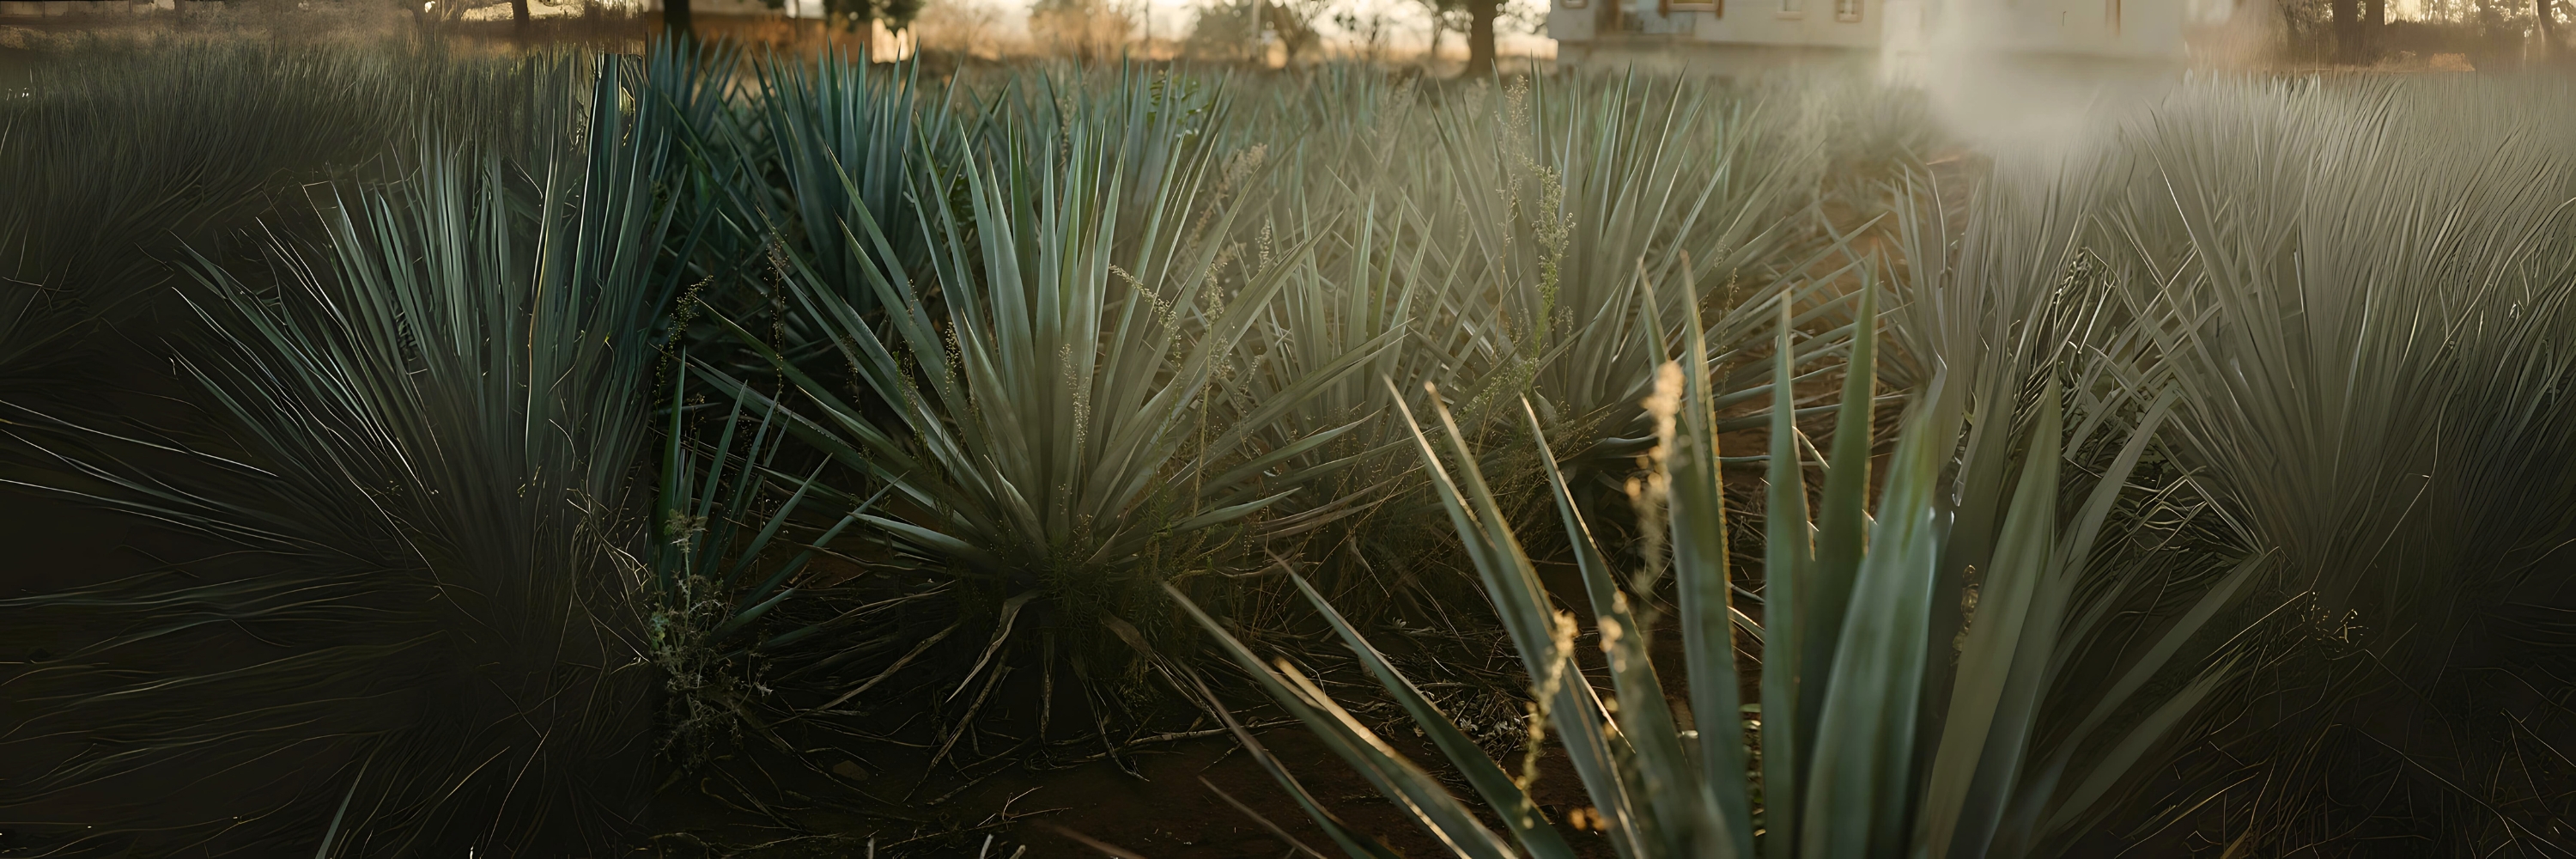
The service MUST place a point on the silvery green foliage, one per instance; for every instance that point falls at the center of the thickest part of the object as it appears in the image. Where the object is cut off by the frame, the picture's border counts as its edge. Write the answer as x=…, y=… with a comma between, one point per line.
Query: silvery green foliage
x=436, y=411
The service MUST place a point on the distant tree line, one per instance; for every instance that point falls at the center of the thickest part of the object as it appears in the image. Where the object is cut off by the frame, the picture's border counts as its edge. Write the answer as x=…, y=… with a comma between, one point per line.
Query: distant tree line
x=2488, y=32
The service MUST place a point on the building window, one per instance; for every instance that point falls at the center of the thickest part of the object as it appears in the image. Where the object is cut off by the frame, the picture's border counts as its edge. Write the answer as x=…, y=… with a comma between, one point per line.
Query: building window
x=1847, y=10
x=1574, y=4
x=1713, y=7
x=1792, y=8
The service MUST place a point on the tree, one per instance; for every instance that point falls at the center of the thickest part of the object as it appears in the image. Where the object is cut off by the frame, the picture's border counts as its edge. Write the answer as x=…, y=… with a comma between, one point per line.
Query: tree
x=1229, y=30
x=675, y=16
x=1088, y=30
x=2347, y=31
x=519, y=13
x=1480, y=35
x=2544, y=13
x=1293, y=21
x=1441, y=11
x=856, y=15
x=2374, y=24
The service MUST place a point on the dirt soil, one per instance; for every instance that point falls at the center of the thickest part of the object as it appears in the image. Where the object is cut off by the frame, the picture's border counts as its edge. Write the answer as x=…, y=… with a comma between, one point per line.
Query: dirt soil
x=1170, y=808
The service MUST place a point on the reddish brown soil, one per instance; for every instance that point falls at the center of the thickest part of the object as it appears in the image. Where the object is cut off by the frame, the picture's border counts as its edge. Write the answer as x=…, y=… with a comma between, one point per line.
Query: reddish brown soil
x=1169, y=809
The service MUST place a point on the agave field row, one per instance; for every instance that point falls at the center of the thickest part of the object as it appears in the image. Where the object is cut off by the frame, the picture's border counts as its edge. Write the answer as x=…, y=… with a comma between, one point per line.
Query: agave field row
x=536, y=430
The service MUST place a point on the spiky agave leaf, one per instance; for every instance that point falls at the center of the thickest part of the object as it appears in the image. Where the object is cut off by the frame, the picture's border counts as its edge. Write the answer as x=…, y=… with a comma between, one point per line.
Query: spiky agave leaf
x=2032, y=325
x=780, y=164
x=439, y=414
x=2355, y=280
x=720, y=564
x=148, y=153
x=1573, y=200
x=1640, y=176
x=1852, y=761
x=1055, y=427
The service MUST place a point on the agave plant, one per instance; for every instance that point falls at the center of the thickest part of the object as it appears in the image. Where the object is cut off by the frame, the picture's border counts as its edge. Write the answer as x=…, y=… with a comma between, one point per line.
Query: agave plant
x=846, y=137
x=433, y=421
x=148, y=153
x=1526, y=224
x=1056, y=433
x=2365, y=333
x=1438, y=219
x=782, y=163
x=1849, y=766
x=717, y=570
x=1571, y=201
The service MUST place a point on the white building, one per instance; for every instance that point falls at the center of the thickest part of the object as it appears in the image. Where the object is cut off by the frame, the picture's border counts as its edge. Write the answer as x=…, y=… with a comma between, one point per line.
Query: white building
x=1751, y=34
